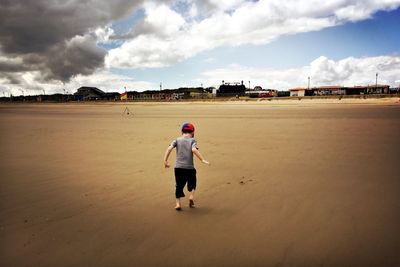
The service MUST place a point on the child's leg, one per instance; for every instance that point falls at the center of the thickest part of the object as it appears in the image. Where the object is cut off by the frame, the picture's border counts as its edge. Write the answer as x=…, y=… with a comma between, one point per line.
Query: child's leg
x=178, y=204
x=191, y=195
x=191, y=199
x=180, y=182
x=192, y=181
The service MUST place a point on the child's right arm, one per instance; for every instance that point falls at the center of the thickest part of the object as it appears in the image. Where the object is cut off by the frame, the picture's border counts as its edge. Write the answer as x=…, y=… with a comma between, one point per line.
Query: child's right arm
x=166, y=156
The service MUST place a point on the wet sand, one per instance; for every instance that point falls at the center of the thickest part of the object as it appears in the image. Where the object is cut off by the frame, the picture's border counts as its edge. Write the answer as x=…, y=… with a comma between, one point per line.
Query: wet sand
x=291, y=184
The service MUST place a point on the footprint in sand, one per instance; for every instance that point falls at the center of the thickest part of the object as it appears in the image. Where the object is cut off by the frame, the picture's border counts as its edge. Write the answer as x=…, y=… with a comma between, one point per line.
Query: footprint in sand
x=243, y=182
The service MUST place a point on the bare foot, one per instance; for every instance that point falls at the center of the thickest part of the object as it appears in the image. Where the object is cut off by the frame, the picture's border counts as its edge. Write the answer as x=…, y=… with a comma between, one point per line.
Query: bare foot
x=191, y=203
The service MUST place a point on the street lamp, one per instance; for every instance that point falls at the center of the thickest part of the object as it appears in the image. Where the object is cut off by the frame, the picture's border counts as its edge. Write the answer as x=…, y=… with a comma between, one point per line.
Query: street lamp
x=249, y=85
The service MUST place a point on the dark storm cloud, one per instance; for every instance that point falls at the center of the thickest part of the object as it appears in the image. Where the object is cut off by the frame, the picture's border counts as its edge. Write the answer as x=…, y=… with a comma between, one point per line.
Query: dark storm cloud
x=56, y=37
x=12, y=78
x=78, y=56
x=12, y=67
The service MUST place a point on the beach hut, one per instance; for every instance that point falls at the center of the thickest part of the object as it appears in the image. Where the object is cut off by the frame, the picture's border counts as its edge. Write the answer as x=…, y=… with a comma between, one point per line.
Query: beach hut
x=299, y=91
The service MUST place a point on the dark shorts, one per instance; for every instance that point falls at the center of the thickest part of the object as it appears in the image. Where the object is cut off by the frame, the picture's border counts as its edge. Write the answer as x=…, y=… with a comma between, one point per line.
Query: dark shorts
x=183, y=176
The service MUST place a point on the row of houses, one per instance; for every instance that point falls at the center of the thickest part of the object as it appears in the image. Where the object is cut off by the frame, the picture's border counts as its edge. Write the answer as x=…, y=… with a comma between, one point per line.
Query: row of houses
x=93, y=93
x=238, y=89
x=341, y=90
x=226, y=89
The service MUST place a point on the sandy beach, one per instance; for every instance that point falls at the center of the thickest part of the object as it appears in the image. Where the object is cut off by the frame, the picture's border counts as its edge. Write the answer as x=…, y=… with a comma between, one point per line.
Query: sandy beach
x=291, y=183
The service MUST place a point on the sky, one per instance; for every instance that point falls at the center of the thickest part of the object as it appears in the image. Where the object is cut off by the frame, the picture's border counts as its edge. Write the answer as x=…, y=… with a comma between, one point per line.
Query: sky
x=55, y=46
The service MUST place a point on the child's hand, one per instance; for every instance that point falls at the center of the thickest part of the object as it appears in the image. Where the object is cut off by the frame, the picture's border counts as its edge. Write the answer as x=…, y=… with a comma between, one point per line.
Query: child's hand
x=166, y=164
x=205, y=162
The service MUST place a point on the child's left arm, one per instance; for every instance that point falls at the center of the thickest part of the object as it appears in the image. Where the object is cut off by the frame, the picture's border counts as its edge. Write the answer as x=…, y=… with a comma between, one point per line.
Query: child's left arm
x=198, y=154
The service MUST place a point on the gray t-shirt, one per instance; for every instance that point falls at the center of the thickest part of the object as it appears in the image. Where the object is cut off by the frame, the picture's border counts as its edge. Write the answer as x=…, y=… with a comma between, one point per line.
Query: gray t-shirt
x=184, y=154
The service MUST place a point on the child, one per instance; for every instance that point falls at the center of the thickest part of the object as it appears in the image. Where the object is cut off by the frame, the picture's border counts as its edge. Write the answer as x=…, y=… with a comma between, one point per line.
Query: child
x=185, y=172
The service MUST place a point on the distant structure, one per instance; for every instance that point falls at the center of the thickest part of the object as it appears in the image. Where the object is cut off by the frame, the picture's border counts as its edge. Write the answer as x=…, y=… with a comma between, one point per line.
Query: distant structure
x=259, y=92
x=369, y=89
x=172, y=94
x=226, y=89
x=340, y=90
x=300, y=91
x=114, y=96
x=329, y=90
x=231, y=89
x=85, y=93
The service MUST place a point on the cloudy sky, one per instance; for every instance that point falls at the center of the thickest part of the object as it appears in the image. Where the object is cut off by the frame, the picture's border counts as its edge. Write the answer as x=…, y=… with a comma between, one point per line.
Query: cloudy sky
x=52, y=45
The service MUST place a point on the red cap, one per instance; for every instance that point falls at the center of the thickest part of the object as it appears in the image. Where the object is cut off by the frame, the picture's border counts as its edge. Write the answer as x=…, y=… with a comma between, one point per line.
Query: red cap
x=188, y=127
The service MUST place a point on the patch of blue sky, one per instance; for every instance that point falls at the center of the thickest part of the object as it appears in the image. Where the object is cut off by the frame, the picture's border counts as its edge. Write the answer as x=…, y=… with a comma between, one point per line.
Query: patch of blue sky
x=181, y=7
x=110, y=45
x=124, y=25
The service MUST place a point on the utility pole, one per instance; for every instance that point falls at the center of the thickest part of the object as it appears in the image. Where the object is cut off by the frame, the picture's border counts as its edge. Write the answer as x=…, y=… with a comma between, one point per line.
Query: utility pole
x=249, y=86
x=376, y=80
x=308, y=82
x=160, y=86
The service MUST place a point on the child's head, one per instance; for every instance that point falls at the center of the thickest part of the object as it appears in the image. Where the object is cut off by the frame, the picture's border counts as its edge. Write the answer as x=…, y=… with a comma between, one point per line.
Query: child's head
x=188, y=128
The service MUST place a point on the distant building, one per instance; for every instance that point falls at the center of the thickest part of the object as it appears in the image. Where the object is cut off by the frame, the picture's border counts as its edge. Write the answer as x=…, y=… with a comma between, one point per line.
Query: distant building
x=329, y=90
x=283, y=93
x=114, y=96
x=369, y=89
x=231, y=89
x=153, y=95
x=89, y=93
x=259, y=92
x=355, y=90
x=394, y=90
x=300, y=91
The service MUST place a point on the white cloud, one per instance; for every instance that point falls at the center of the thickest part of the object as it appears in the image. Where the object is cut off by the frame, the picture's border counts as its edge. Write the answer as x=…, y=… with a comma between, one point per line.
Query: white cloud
x=166, y=37
x=322, y=71
x=152, y=46
x=162, y=19
x=103, y=34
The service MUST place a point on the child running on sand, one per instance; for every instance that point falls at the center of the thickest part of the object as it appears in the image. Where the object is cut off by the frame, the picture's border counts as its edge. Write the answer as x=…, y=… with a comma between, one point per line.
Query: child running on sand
x=185, y=172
